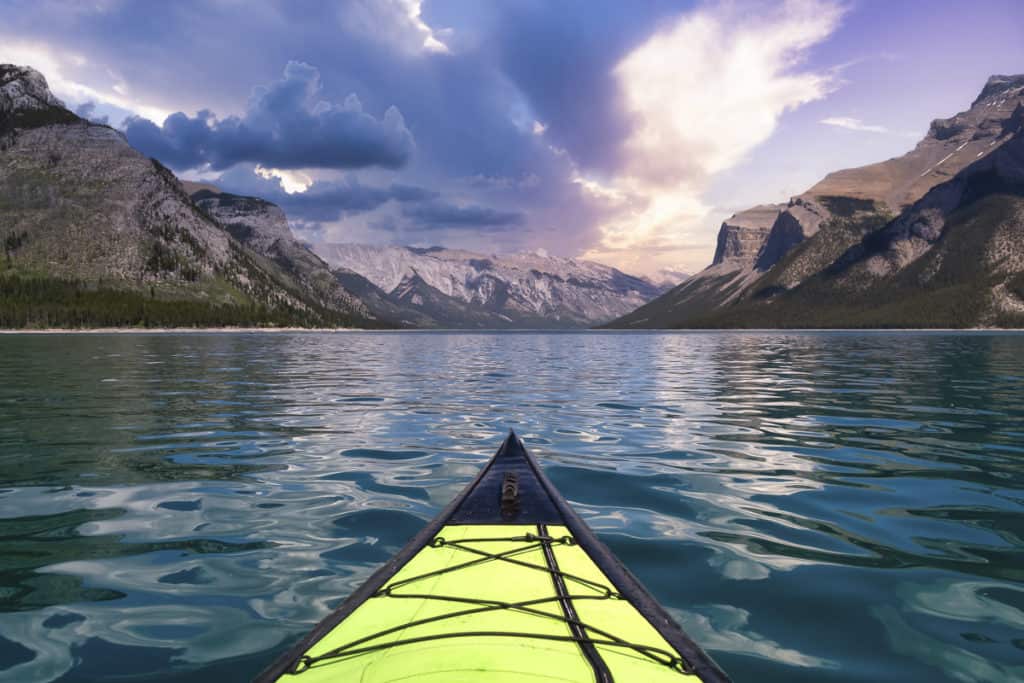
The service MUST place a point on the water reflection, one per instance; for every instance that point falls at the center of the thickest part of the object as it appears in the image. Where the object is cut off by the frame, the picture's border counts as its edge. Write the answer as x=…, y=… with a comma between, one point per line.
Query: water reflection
x=811, y=506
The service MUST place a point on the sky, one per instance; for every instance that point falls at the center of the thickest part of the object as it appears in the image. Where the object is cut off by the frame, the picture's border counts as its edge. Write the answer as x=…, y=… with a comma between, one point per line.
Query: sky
x=622, y=132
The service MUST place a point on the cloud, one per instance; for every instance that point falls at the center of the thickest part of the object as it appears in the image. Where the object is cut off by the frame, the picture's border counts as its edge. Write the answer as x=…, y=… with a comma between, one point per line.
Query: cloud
x=322, y=201
x=348, y=209
x=59, y=67
x=468, y=117
x=442, y=215
x=326, y=201
x=431, y=39
x=701, y=94
x=397, y=23
x=561, y=56
x=528, y=181
x=590, y=173
x=737, y=78
x=291, y=181
x=87, y=110
x=851, y=123
x=285, y=126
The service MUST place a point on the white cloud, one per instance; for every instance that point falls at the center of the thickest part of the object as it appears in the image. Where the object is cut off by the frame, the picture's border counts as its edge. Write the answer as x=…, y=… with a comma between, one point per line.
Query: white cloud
x=701, y=94
x=291, y=181
x=55, y=65
x=398, y=23
x=431, y=38
x=851, y=123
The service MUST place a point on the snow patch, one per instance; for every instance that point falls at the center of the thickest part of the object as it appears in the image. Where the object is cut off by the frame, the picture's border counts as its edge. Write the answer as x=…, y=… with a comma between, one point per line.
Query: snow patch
x=534, y=284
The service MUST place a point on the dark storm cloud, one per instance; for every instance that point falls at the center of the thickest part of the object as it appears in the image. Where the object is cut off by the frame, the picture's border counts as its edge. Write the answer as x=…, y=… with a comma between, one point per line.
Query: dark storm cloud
x=439, y=215
x=323, y=200
x=331, y=201
x=562, y=56
x=470, y=112
x=285, y=126
x=457, y=106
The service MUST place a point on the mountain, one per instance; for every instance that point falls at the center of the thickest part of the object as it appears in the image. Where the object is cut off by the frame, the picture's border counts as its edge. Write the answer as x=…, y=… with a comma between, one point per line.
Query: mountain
x=382, y=305
x=881, y=245
x=740, y=239
x=416, y=294
x=95, y=233
x=742, y=234
x=262, y=226
x=667, y=278
x=455, y=288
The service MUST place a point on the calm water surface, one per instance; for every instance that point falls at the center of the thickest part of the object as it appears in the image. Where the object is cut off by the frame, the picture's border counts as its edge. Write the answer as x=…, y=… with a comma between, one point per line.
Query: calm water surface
x=810, y=506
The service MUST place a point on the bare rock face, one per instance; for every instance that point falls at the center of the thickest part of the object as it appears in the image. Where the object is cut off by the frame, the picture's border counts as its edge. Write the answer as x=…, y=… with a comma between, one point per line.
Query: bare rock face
x=92, y=207
x=919, y=228
x=950, y=146
x=891, y=186
x=251, y=220
x=78, y=203
x=263, y=227
x=798, y=222
x=845, y=223
x=26, y=102
x=23, y=88
x=999, y=86
x=88, y=204
x=742, y=235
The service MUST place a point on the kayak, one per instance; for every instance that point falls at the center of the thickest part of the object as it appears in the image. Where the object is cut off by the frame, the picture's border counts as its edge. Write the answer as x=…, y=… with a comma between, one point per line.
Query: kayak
x=506, y=584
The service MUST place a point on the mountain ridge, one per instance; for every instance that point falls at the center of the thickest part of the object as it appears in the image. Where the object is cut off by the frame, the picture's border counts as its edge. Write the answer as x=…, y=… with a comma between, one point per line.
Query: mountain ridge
x=836, y=217
x=263, y=227
x=95, y=233
x=512, y=290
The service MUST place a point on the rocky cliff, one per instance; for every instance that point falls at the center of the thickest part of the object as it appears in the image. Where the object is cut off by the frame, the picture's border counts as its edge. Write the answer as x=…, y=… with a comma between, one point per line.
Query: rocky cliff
x=954, y=258
x=96, y=233
x=743, y=234
x=252, y=221
x=833, y=221
x=263, y=227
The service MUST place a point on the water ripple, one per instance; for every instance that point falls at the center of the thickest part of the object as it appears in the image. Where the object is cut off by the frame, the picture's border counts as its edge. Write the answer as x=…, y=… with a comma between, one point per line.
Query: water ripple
x=811, y=506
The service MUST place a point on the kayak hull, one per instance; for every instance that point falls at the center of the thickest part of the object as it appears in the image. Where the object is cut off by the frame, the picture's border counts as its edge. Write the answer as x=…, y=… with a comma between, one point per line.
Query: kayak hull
x=507, y=583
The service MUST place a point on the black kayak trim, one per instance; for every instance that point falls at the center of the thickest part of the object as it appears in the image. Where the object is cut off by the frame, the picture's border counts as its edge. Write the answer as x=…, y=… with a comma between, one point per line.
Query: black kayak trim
x=601, y=672
x=537, y=502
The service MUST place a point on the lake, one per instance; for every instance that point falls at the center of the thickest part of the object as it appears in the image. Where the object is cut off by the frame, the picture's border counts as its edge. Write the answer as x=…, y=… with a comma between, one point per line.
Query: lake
x=810, y=506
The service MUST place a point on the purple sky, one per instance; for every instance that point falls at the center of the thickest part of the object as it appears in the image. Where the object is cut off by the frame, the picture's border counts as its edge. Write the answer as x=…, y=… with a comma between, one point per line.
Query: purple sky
x=619, y=131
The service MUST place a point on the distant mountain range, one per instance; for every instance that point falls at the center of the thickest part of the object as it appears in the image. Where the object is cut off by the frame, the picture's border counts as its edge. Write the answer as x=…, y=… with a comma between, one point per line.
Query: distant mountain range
x=439, y=287
x=94, y=233
x=934, y=238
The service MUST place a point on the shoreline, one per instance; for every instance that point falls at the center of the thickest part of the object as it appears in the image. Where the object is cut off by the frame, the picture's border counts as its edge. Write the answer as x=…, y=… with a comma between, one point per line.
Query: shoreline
x=176, y=330
x=321, y=330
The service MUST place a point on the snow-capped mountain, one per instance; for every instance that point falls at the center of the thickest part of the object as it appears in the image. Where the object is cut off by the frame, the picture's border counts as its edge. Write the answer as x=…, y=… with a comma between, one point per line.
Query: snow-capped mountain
x=459, y=288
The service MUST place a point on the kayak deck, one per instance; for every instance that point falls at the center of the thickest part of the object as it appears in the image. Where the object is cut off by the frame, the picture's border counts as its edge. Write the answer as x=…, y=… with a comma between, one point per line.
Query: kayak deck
x=507, y=584
x=485, y=594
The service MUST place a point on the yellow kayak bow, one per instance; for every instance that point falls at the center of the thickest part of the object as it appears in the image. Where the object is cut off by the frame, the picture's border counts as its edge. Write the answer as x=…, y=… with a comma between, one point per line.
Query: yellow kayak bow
x=506, y=584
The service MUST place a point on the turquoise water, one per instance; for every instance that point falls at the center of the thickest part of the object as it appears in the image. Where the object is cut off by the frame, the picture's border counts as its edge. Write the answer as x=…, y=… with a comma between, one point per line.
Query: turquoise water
x=810, y=506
